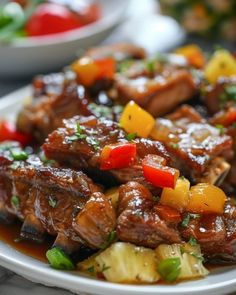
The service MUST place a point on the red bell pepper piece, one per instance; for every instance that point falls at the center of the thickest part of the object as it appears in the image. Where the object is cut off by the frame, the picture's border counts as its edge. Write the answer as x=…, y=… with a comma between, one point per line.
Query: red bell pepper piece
x=157, y=174
x=225, y=117
x=116, y=156
x=106, y=67
x=168, y=214
x=9, y=132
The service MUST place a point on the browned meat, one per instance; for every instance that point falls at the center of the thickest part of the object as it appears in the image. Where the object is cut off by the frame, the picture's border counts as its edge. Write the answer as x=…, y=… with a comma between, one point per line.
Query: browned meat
x=119, y=51
x=159, y=92
x=138, y=221
x=216, y=234
x=47, y=113
x=95, y=221
x=48, y=199
x=192, y=142
x=220, y=94
x=85, y=153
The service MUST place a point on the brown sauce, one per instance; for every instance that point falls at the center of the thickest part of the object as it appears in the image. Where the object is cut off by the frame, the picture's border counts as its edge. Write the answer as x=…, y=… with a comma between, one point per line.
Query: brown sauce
x=10, y=233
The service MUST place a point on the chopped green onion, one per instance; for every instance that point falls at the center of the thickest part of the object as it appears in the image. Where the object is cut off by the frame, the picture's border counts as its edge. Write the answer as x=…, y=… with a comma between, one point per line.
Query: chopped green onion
x=131, y=136
x=91, y=270
x=19, y=155
x=175, y=145
x=15, y=165
x=15, y=201
x=150, y=66
x=169, y=269
x=110, y=239
x=104, y=267
x=221, y=128
x=59, y=260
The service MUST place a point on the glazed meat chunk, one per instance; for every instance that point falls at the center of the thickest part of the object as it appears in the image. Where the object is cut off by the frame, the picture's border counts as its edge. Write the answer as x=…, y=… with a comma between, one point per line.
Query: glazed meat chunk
x=197, y=148
x=158, y=91
x=49, y=199
x=84, y=152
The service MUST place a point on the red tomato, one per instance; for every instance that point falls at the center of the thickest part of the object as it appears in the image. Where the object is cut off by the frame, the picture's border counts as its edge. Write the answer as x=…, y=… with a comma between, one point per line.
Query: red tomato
x=51, y=18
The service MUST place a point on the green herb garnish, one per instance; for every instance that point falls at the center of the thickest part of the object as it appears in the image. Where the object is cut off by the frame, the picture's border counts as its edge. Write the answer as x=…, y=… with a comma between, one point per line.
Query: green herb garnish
x=15, y=201
x=52, y=202
x=110, y=239
x=169, y=269
x=94, y=142
x=131, y=136
x=58, y=259
x=174, y=145
x=221, y=128
x=192, y=241
x=91, y=270
x=186, y=220
x=19, y=155
x=104, y=267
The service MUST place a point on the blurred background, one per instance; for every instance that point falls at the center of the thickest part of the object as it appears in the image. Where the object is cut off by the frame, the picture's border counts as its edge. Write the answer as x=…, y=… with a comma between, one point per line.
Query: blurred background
x=39, y=36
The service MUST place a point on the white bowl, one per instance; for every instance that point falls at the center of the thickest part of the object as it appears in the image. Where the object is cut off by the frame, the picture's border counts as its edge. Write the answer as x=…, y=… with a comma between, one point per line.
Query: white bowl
x=32, y=56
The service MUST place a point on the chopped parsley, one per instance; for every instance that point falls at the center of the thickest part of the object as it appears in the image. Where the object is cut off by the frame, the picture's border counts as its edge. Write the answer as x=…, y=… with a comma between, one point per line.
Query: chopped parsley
x=229, y=94
x=131, y=136
x=78, y=134
x=52, y=202
x=91, y=270
x=187, y=218
x=192, y=241
x=94, y=142
x=150, y=66
x=15, y=201
x=104, y=268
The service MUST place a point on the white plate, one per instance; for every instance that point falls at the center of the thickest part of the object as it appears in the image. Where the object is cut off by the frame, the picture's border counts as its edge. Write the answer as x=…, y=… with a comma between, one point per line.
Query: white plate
x=33, y=56
x=220, y=281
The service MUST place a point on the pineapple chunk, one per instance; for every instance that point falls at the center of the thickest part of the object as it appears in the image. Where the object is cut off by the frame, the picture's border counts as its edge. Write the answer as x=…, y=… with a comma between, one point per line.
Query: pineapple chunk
x=89, y=265
x=190, y=259
x=127, y=263
x=178, y=197
x=222, y=64
x=113, y=195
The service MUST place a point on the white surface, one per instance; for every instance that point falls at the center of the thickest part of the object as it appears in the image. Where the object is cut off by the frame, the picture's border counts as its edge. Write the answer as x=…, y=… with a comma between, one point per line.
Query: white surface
x=221, y=281
x=31, y=56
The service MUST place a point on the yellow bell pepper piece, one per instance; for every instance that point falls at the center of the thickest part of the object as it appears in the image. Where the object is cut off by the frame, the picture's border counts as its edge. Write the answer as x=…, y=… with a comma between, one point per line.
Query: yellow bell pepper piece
x=193, y=54
x=134, y=119
x=86, y=71
x=222, y=64
x=178, y=197
x=206, y=198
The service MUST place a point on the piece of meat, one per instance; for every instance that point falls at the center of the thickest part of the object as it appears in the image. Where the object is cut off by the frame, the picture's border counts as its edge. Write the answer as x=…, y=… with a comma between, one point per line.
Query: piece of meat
x=138, y=221
x=159, y=93
x=216, y=234
x=217, y=96
x=85, y=153
x=192, y=143
x=120, y=51
x=46, y=114
x=48, y=199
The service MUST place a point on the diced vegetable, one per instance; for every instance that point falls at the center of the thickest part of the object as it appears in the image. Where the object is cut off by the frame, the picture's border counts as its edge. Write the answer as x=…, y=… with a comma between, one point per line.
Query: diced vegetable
x=156, y=173
x=169, y=269
x=167, y=213
x=127, y=263
x=222, y=64
x=134, y=119
x=180, y=261
x=206, y=198
x=19, y=155
x=178, y=197
x=225, y=118
x=113, y=195
x=116, y=156
x=9, y=132
x=193, y=54
x=89, y=70
x=59, y=260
